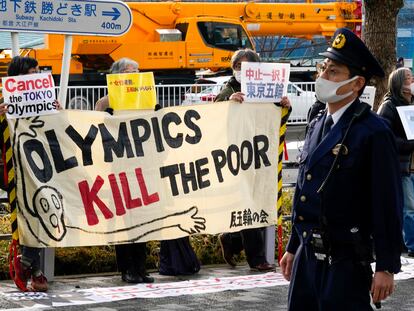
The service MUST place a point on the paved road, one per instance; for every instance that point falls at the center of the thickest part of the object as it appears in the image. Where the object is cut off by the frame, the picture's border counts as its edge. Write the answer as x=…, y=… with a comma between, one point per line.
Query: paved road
x=254, y=299
x=294, y=135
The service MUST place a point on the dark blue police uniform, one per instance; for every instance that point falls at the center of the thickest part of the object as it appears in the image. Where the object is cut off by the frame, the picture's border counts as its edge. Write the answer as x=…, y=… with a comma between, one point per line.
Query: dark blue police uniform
x=358, y=209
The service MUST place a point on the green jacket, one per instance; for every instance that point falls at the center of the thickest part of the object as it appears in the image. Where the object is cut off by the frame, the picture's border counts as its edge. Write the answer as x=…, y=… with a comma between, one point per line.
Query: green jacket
x=232, y=86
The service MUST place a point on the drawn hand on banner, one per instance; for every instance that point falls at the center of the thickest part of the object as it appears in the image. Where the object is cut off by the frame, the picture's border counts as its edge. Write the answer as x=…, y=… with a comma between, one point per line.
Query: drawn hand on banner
x=35, y=124
x=187, y=221
x=197, y=223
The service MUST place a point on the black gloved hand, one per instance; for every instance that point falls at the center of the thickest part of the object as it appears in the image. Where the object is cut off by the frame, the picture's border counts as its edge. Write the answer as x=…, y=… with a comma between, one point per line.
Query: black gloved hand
x=110, y=111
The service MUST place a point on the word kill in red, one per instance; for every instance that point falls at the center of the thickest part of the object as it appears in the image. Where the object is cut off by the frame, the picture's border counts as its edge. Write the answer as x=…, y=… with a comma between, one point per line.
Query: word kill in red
x=90, y=195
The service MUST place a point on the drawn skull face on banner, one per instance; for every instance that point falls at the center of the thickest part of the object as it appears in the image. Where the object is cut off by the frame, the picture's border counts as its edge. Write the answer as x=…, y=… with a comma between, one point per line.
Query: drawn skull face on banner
x=48, y=206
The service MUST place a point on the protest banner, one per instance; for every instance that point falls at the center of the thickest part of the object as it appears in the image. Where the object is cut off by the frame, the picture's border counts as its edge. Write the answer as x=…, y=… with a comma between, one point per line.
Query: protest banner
x=89, y=178
x=131, y=90
x=29, y=95
x=406, y=114
x=264, y=82
x=368, y=96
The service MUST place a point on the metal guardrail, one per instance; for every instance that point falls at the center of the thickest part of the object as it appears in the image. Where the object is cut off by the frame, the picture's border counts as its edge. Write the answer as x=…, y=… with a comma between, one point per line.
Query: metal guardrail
x=301, y=95
x=5, y=237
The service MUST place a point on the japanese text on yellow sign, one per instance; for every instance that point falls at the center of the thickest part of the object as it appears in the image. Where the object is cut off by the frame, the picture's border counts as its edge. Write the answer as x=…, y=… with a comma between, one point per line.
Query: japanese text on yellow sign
x=128, y=91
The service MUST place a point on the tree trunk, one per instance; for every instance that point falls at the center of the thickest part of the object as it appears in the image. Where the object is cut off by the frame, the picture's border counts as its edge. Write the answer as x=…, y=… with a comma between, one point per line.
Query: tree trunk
x=380, y=35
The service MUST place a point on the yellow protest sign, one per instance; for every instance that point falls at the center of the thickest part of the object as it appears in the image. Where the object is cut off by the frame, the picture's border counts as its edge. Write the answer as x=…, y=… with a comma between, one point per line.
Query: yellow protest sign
x=128, y=91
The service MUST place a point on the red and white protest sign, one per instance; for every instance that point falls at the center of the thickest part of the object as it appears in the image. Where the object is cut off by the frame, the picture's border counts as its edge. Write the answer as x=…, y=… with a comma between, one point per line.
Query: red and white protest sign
x=264, y=82
x=29, y=95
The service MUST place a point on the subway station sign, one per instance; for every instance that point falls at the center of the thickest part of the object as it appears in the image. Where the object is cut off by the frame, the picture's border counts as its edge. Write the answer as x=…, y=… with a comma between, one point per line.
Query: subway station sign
x=75, y=17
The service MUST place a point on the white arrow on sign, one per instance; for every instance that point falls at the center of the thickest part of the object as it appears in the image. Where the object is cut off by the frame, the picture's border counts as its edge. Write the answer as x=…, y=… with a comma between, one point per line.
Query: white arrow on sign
x=72, y=17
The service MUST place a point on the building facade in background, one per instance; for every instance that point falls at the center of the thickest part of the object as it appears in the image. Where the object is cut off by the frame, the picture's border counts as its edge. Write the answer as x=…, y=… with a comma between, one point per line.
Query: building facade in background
x=405, y=33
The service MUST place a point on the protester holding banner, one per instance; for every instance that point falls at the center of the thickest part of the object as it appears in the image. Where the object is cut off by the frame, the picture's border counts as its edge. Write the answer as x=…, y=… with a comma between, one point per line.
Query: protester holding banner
x=123, y=65
x=252, y=240
x=28, y=263
x=400, y=93
x=348, y=197
x=130, y=258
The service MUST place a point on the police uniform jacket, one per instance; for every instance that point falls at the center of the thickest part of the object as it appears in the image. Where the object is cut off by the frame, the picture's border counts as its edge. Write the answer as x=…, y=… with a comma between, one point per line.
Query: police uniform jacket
x=364, y=190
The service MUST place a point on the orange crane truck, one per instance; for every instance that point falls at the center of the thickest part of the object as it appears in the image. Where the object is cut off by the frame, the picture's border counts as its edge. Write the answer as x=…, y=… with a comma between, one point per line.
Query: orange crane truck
x=175, y=39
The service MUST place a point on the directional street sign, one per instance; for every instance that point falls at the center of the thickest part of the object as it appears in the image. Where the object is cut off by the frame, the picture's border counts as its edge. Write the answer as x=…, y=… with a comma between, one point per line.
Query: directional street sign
x=72, y=17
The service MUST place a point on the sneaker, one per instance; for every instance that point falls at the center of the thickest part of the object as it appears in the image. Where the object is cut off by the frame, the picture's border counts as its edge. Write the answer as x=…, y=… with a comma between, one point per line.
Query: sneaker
x=22, y=274
x=39, y=282
x=226, y=250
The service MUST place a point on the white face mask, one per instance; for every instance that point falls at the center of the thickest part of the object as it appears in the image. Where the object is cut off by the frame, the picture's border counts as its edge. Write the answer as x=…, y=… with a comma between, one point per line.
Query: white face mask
x=326, y=90
x=237, y=75
x=412, y=88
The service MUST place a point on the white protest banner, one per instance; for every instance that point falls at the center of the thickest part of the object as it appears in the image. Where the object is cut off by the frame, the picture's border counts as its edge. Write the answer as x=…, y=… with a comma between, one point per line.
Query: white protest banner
x=29, y=95
x=407, y=119
x=264, y=82
x=89, y=178
x=368, y=95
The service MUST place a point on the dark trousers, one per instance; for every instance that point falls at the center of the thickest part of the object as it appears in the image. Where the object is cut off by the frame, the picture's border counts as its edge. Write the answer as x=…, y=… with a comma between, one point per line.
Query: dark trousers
x=317, y=286
x=131, y=257
x=31, y=257
x=253, y=243
x=177, y=257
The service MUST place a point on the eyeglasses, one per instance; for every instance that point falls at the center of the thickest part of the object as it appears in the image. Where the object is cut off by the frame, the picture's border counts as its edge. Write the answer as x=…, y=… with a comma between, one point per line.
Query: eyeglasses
x=329, y=70
x=129, y=71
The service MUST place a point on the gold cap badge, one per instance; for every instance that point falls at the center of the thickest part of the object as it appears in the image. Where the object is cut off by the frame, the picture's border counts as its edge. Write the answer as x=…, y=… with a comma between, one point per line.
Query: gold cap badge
x=339, y=41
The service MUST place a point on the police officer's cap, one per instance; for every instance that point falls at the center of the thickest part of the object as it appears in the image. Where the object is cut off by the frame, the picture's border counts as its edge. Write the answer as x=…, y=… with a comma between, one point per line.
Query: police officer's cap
x=349, y=50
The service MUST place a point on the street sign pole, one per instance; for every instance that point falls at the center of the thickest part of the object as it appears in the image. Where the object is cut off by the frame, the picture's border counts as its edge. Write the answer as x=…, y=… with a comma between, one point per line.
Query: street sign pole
x=64, y=76
x=15, y=43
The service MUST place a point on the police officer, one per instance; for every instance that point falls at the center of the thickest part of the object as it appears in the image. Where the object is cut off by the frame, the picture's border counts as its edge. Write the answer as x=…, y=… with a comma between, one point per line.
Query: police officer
x=348, y=201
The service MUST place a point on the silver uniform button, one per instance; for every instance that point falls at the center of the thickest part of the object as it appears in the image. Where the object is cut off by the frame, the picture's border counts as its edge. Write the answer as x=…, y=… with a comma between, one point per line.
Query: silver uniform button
x=304, y=234
x=303, y=198
x=308, y=177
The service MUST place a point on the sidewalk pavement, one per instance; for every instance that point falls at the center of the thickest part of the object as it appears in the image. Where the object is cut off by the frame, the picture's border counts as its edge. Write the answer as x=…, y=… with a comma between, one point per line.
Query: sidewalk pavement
x=64, y=293
x=64, y=289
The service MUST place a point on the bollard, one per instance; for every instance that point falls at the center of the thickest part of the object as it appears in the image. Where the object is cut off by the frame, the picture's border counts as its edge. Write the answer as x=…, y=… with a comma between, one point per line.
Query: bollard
x=270, y=244
x=47, y=263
